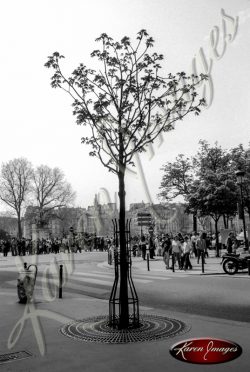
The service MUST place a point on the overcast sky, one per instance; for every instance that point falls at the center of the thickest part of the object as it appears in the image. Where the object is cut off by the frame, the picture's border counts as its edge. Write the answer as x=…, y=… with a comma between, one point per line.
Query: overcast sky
x=37, y=121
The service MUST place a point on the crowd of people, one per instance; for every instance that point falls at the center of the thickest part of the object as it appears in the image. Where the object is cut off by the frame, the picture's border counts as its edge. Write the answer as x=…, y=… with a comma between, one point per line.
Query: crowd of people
x=180, y=247
x=22, y=247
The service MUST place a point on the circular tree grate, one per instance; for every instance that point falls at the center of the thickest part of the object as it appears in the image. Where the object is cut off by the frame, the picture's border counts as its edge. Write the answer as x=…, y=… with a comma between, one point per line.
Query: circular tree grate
x=97, y=329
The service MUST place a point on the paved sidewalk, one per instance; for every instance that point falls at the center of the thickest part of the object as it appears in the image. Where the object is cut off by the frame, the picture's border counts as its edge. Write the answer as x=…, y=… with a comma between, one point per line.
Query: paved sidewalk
x=63, y=354
x=212, y=267
x=39, y=327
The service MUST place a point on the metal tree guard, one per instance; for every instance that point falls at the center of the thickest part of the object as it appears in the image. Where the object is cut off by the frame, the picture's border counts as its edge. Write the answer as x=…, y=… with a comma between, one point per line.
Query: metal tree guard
x=114, y=300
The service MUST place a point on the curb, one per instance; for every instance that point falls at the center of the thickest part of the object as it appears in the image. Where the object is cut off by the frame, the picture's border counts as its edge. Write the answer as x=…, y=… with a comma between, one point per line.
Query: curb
x=244, y=275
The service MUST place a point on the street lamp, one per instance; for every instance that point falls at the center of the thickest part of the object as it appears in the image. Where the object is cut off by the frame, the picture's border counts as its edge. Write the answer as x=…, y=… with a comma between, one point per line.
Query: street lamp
x=240, y=180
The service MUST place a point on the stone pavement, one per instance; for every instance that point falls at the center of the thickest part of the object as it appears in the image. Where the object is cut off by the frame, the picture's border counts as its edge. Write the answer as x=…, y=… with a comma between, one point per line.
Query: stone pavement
x=38, y=332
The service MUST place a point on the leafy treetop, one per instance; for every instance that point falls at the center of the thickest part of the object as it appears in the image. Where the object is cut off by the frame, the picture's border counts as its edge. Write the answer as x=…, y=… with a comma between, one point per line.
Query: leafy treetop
x=126, y=103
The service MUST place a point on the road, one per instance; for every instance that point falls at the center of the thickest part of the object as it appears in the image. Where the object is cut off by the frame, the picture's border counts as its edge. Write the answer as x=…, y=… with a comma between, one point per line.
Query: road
x=214, y=296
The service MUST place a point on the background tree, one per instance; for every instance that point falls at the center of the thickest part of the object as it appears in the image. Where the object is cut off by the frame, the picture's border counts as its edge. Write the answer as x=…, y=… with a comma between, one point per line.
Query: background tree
x=240, y=159
x=209, y=174
x=51, y=191
x=15, y=185
x=214, y=166
x=213, y=200
x=214, y=192
x=126, y=105
x=177, y=180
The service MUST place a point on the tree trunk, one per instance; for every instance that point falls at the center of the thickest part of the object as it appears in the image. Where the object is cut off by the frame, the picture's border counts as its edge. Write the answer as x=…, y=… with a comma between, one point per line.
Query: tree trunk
x=217, y=238
x=123, y=296
x=19, y=226
x=194, y=222
x=40, y=216
x=225, y=221
x=124, y=314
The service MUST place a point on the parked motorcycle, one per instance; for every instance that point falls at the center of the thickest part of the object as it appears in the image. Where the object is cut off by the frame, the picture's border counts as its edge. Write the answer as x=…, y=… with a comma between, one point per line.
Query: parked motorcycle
x=232, y=262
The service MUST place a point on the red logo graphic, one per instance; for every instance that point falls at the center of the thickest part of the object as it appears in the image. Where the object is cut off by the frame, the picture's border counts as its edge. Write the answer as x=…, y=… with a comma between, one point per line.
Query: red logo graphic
x=206, y=350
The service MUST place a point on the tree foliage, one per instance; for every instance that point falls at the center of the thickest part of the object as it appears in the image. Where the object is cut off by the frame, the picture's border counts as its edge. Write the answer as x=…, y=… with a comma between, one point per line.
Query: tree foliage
x=212, y=163
x=211, y=199
x=45, y=188
x=50, y=190
x=15, y=185
x=127, y=101
x=218, y=192
x=177, y=178
x=241, y=160
x=206, y=181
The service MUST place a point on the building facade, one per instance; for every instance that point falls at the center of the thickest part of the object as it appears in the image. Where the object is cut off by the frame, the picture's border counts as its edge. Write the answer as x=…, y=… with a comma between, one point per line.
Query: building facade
x=97, y=220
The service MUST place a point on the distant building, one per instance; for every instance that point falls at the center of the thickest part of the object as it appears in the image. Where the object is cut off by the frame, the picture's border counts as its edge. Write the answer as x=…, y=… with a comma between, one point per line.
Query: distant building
x=58, y=223
x=97, y=219
x=165, y=218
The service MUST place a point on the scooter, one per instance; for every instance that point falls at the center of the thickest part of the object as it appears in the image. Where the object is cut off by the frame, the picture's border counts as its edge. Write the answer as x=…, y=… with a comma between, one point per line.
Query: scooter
x=232, y=262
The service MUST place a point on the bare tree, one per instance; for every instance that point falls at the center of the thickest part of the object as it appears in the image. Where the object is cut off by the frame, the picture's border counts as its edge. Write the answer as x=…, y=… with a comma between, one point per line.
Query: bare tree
x=15, y=185
x=126, y=104
x=51, y=191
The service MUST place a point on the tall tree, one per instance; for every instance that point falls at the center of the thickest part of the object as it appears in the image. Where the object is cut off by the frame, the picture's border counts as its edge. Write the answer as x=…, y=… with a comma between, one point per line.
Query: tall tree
x=212, y=160
x=177, y=180
x=214, y=193
x=126, y=105
x=51, y=191
x=240, y=159
x=211, y=199
x=15, y=185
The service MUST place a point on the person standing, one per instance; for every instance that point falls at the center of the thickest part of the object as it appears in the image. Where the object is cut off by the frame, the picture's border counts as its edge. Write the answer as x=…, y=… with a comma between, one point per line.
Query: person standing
x=201, y=246
x=187, y=248
x=166, y=250
x=6, y=248
x=14, y=247
x=176, y=250
x=102, y=244
x=151, y=247
x=23, y=246
x=230, y=242
x=193, y=242
x=29, y=246
x=143, y=247
x=19, y=247
x=157, y=246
